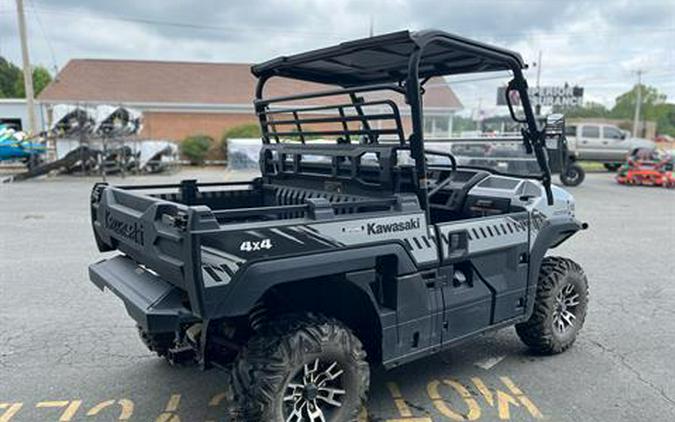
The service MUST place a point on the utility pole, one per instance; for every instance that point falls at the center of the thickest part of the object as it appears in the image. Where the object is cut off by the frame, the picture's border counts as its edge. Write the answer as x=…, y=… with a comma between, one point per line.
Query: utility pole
x=27, y=70
x=479, y=120
x=371, y=28
x=638, y=103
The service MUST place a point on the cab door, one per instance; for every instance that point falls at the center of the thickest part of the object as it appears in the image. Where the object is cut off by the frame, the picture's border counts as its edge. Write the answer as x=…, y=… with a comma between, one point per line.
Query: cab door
x=616, y=143
x=486, y=263
x=590, y=144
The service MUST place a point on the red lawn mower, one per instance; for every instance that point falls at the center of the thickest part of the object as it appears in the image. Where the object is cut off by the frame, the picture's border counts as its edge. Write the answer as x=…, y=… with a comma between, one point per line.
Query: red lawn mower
x=648, y=167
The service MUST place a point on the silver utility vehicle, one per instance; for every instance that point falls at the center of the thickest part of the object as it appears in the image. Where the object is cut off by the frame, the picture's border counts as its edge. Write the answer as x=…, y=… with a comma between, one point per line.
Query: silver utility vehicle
x=349, y=254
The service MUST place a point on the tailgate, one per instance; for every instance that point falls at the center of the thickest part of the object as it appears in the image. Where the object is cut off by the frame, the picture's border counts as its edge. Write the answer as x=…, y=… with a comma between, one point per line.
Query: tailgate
x=156, y=305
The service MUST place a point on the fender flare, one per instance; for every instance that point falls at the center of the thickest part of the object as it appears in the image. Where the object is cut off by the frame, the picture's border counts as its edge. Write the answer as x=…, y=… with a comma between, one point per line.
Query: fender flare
x=558, y=230
x=257, y=277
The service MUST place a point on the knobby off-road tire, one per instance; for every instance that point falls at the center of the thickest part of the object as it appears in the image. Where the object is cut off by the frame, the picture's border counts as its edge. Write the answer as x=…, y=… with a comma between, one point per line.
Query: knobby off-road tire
x=562, y=290
x=158, y=343
x=299, y=362
x=573, y=175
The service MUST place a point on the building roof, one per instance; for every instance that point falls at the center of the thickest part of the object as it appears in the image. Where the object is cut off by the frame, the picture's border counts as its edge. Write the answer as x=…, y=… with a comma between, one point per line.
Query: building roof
x=189, y=83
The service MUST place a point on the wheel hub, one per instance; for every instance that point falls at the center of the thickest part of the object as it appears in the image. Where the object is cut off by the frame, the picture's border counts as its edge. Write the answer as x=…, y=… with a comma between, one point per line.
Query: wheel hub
x=314, y=393
x=564, y=315
x=310, y=392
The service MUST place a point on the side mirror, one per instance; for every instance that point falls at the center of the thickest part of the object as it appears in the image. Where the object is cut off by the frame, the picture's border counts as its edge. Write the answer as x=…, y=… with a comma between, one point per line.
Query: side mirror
x=512, y=101
x=624, y=135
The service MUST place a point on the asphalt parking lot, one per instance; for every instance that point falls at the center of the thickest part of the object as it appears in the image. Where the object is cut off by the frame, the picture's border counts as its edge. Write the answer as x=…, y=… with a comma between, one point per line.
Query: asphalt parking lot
x=69, y=352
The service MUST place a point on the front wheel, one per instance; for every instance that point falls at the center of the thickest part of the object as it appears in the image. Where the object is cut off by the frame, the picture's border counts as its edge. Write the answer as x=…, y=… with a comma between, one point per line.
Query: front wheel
x=559, y=308
x=572, y=175
x=301, y=367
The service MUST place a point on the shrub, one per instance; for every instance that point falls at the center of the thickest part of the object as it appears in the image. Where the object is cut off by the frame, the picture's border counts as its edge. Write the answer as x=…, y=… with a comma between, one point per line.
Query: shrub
x=247, y=130
x=196, y=147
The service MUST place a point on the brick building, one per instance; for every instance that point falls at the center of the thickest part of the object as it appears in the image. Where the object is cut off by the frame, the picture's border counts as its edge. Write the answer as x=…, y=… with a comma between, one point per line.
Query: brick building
x=179, y=99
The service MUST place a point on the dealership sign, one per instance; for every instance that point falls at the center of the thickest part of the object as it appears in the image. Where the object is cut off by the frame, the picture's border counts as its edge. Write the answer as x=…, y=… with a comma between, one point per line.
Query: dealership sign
x=562, y=96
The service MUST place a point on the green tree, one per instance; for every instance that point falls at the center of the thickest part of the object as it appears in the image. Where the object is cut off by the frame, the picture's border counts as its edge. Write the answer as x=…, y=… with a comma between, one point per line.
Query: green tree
x=41, y=78
x=664, y=115
x=590, y=109
x=624, y=108
x=9, y=75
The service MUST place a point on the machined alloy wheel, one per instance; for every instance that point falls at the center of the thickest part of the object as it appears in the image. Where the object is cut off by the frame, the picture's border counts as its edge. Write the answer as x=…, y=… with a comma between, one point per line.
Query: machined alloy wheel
x=567, y=301
x=315, y=393
x=559, y=307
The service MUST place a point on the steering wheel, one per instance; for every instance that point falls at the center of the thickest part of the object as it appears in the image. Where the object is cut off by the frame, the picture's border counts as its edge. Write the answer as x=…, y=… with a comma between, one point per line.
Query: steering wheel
x=449, y=179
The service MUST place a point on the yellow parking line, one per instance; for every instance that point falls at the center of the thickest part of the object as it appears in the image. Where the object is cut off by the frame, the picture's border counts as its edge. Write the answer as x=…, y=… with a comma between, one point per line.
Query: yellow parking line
x=12, y=409
x=68, y=413
x=127, y=408
x=445, y=409
x=401, y=405
x=522, y=398
x=482, y=388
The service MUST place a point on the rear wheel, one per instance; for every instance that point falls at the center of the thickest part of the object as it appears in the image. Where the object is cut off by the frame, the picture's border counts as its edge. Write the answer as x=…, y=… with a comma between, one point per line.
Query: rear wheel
x=572, y=175
x=302, y=367
x=158, y=343
x=559, y=307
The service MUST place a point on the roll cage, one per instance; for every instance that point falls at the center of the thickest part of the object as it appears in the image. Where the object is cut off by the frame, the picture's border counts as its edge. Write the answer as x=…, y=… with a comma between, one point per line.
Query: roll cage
x=400, y=62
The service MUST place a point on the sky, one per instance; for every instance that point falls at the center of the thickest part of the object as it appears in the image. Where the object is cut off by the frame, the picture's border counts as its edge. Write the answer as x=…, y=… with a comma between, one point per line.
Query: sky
x=597, y=44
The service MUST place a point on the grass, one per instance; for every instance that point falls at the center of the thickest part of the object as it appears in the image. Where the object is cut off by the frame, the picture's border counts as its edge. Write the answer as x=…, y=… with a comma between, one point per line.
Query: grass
x=593, y=166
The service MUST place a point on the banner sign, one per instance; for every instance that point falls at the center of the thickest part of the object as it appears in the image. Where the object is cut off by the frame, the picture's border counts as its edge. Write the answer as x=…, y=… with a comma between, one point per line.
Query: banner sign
x=547, y=96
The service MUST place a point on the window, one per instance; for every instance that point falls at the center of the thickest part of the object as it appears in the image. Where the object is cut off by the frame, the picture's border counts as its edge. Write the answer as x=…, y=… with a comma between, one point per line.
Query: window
x=570, y=131
x=590, y=132
x=611, y=132
x=437, y=126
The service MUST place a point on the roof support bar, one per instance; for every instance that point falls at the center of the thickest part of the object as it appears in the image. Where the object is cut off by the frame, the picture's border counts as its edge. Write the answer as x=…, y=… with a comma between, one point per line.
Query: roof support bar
x=417, y=137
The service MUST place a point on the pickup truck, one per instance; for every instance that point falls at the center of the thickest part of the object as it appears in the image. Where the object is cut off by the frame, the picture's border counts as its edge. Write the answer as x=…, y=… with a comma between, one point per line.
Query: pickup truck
x=602, y=142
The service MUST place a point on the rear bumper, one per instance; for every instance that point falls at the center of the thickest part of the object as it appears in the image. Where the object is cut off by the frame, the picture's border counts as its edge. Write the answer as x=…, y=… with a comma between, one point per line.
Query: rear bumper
x=154, y=304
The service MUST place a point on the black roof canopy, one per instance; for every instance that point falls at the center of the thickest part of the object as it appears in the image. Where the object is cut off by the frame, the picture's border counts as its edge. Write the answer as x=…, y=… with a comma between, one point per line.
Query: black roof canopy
x=386, y=58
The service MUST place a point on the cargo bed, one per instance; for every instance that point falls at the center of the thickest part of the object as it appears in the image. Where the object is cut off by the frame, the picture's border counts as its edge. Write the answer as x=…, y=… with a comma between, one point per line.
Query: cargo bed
x=179, y=232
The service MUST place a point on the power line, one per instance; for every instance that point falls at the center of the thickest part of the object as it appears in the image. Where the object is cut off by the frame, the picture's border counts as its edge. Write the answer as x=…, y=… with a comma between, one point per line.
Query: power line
x=46, y=38
x=176, y=24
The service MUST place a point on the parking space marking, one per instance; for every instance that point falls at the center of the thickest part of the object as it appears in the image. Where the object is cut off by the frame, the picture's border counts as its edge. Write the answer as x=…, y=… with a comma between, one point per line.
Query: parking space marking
x=399, y=401
x=440, y=392
x=126, y=405
x=522, y=398
x=444, y=408
x=485, y=392
x=10, y=409
x=451, y=399
x=71, y=408
x=170, y=414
